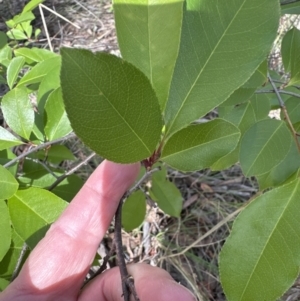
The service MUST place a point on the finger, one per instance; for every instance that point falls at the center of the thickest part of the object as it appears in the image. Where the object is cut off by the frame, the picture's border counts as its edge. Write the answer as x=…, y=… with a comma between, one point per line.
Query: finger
x=61, y=260
x=151, y=283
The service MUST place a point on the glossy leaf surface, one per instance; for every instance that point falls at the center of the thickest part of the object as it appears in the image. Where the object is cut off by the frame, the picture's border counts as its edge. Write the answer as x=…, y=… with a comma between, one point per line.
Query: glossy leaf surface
x=134, y=211
x=8, y=184
x=200, y=146
x=260, y=259
x=148, y=36
x=18, y=111
x=264, y=146
x=114, y=110
x=7, y=139
x=32, y=211
x=223, y=55
x=57, y=122
x=39, y=71
x=5, y=229
x=13, y=70
x=166, y=194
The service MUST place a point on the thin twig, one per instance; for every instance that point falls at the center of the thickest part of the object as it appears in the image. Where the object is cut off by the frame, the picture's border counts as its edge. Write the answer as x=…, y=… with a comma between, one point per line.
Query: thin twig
x=127, y=281
x=286, y=115
x=19, y=262
x=71, y=171
x=45, y=27
x=59, y=15
x=41, y=146
x=279, y=91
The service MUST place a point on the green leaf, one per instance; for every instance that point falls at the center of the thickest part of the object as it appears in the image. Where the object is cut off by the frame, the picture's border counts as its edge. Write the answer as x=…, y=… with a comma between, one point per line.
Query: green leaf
x=284, y=170
x=293, y=109
x=114, y=110
x=3, y=284
x=57, y=122
x=149, y=37
x=68, y=188
x=3, y=39
x=31, y=5
x=8, y=184
x=6, y=156
x=259, y=77
x=5, y=56
x=16, y=34
x=13, y=70
x=34, y=54
x=18, y=112
x=243, y=117
x=292, y=8
x=290, y=50
x=8, y=264
x=55, y=154
x=200, y=146
x=7, y=139
x=239, y=96
x=217, y=55
x=39, y=71
x=261, y=105
x=264, y=146
x=134, y=211
x=166, y=194
x=23, y=17
x=260, y=259
x=32, y=211
x=5, y=229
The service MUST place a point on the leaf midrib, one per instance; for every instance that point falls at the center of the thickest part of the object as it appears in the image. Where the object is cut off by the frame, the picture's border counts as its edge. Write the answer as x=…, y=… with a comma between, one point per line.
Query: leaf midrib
x=203, y=68
x=113, y=107
x=265, y=246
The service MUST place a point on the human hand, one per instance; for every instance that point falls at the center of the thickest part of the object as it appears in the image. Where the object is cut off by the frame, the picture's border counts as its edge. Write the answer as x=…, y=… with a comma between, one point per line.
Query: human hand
x=56, y=268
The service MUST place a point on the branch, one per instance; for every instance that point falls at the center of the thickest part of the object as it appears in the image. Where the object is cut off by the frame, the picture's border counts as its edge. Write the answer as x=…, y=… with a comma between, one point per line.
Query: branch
x=279, y=91
x=127, y=280
x=19, y=262
x=286, y=115
x=41, y=146
x=71, y=171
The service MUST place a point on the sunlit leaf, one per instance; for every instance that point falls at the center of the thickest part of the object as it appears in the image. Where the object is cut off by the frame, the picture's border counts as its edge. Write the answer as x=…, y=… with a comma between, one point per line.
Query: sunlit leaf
x=134, y=211
x=32, y=211
x=32, y=5
x=18, y=111
x=114, y=109
x=264, y=146
x=13, y=70
x=57, y=122
x=149, y=36
x=200, y=146
x=5, y=228
x=34, y=54
x=39, y=71
x=260, y=259
x=8, y=184
x=7, y=139
x=217, y=52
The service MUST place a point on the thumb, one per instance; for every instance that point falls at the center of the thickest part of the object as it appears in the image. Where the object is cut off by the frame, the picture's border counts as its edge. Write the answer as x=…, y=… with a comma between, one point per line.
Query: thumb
x=151, y=283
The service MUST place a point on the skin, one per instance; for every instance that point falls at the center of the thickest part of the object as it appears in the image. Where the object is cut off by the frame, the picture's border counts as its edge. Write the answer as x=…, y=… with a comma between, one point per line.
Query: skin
x=56, y=268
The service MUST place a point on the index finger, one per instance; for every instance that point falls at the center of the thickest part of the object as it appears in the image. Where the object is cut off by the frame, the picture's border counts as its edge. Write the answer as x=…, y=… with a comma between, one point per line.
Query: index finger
x=62, y=258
